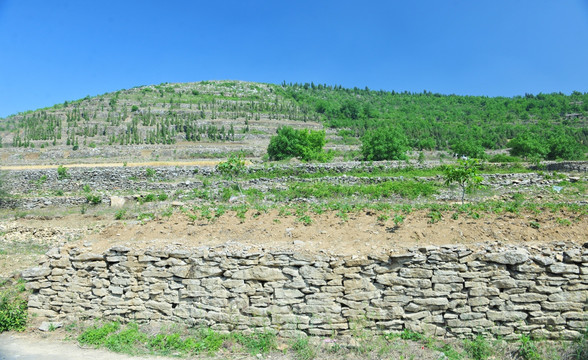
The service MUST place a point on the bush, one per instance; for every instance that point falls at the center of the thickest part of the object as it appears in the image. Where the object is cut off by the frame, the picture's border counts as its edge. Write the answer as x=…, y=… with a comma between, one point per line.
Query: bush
x=13, y=310
x=62, y=172
x=472, y=149
x=384, y=144
x=93, y=199
x=304, y=144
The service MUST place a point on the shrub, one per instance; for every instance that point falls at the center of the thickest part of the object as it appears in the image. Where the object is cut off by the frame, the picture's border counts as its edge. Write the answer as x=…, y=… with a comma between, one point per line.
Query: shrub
x=468, y=148
x=120, y=214
x=62, y=172
x=465, y=174
x=384, y=144
x=233, y=166
x=13, y=311
x=304, y=144
x=94, y=199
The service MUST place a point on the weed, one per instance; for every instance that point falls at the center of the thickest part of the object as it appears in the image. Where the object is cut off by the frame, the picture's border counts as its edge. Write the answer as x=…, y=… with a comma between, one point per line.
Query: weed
x=535, y=225
x=383, y=218
x=478, y=348
x=527, y=349
x=62, y=172
x=258, y=342
x=564, y=222
x=145, y=216
x=305, y=219
x=86, y=188
x=149, y=173
x=13, y=309
x=168, y=212
x=162, y=197
x=94, y=199
x=120, y=214
x=435, y=216
x=302, y=349
x=96, y=335
x=398, y=220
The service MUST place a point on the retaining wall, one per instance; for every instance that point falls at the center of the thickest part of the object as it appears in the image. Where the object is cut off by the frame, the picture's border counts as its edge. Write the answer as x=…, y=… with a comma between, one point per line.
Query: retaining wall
x=448, y=291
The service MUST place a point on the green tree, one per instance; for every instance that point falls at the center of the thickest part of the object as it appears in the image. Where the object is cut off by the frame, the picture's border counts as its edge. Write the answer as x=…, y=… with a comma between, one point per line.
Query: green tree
x=564, y=147
x=465, y=174
x=469, y=148
x=384, y=144
x=304, y=144
x=528, y=146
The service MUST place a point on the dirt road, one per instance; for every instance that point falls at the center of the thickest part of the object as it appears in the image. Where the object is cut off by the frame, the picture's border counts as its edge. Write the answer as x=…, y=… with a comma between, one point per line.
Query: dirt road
x=15, y=346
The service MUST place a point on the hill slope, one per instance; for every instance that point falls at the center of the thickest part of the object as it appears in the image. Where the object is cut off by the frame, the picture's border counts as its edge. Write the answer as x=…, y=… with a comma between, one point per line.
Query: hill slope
x=216, y=117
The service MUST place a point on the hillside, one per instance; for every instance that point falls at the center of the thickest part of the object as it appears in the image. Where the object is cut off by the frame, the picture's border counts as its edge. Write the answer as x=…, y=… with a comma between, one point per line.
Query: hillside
x=214, y=118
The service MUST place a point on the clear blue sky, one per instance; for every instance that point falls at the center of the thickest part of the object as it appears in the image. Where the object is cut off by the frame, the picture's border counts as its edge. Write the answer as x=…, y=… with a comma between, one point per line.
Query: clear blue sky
x=52, y=51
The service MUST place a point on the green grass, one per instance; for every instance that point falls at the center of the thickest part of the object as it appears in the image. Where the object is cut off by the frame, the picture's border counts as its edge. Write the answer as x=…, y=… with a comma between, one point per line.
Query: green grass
x=13, y=306
x=130, y=339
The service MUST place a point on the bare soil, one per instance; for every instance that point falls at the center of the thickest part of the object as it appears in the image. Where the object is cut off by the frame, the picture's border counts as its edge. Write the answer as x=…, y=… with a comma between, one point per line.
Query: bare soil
x=360, y=234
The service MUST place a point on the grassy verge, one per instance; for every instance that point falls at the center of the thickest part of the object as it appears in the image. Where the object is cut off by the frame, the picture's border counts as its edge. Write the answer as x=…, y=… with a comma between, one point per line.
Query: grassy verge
x=132, y=339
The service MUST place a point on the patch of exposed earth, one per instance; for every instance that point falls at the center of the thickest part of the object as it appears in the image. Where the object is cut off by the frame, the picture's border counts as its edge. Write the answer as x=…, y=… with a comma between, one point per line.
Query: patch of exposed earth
x=361, y=234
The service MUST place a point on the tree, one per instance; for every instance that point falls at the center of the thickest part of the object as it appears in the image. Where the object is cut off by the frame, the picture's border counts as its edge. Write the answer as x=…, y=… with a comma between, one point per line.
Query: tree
x=384, y=144
x=304, y=144
x=528, y=146
x=469, y=148
x=564, y=147
x=465, y=174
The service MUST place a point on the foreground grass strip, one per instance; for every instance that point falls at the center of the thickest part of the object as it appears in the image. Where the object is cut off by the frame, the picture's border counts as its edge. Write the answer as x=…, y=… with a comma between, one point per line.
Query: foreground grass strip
x=13, y=306
x=131, y=340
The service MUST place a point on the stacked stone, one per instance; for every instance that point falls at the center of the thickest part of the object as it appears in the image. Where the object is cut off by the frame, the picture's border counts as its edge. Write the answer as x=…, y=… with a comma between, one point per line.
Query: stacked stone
x=447, y=291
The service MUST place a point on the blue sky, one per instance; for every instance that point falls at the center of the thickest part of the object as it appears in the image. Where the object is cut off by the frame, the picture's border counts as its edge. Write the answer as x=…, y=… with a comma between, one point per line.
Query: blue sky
x=52, y=51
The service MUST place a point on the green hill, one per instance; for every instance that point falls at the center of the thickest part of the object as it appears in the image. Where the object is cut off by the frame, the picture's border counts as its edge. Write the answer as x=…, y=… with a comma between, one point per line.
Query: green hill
x=227, y=111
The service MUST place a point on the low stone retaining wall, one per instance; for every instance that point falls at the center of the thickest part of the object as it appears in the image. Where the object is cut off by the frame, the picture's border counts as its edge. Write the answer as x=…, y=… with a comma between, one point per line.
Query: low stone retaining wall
x=448, y=291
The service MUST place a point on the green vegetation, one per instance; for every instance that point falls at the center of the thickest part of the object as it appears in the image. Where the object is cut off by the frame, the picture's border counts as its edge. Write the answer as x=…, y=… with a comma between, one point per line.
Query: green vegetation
x=130, y=339
x=13, y=306
x=168, y=113
x=62, y=172
x=384, y=144
x=465, y=174
x=304, y=144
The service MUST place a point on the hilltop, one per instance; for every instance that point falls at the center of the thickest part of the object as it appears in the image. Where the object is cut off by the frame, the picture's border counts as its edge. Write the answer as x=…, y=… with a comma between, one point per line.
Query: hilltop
x=214, y=118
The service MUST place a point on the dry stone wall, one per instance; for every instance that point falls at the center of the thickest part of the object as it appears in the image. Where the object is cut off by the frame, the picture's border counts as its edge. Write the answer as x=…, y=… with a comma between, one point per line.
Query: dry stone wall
x=447, y=291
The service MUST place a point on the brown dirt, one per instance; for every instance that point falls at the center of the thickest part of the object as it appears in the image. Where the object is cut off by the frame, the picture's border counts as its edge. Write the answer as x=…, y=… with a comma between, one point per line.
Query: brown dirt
x=361, y=234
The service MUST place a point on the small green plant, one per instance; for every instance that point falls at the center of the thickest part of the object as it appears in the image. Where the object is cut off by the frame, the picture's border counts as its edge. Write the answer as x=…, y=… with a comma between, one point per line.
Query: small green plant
x=302, y=349
x=94, y=199
x=149, y=173
x=478, y=348
x=564, y=222
x=96, y=335
x=383, y=218
x=86, y=188
x=258, y=342
x=527, y=349
x=162, y=197
x=120, y=214
x=233, y=166
x=62, y=172
x=398, y=220
x=435, y=216
x=305, y=219
x=13, y=310
x=465, y=174
x=145, y=216
x=535, y=225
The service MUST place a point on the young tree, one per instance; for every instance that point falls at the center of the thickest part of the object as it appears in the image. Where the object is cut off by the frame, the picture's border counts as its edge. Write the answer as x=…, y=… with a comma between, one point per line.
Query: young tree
x=304, y=144
x=384, y=144
x=465, y=174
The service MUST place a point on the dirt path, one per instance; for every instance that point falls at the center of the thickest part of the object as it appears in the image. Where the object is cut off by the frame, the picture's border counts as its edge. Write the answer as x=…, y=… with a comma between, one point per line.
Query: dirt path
x=15, y=346
x=114, y=164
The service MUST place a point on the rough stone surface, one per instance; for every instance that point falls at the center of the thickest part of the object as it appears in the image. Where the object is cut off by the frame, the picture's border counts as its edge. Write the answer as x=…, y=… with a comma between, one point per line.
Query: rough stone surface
x=501, y=292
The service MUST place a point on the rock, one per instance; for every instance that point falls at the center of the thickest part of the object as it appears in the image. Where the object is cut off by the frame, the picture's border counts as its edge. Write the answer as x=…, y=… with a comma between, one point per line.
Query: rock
x=560, y=268
x=36, y=272
x=510, y=257
x=50, y=326
x=261, y=273
x=117, y=201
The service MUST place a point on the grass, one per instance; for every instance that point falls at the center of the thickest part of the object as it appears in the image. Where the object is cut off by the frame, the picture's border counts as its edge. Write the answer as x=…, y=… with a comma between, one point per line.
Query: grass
x=13, y=305
x=130, y=339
